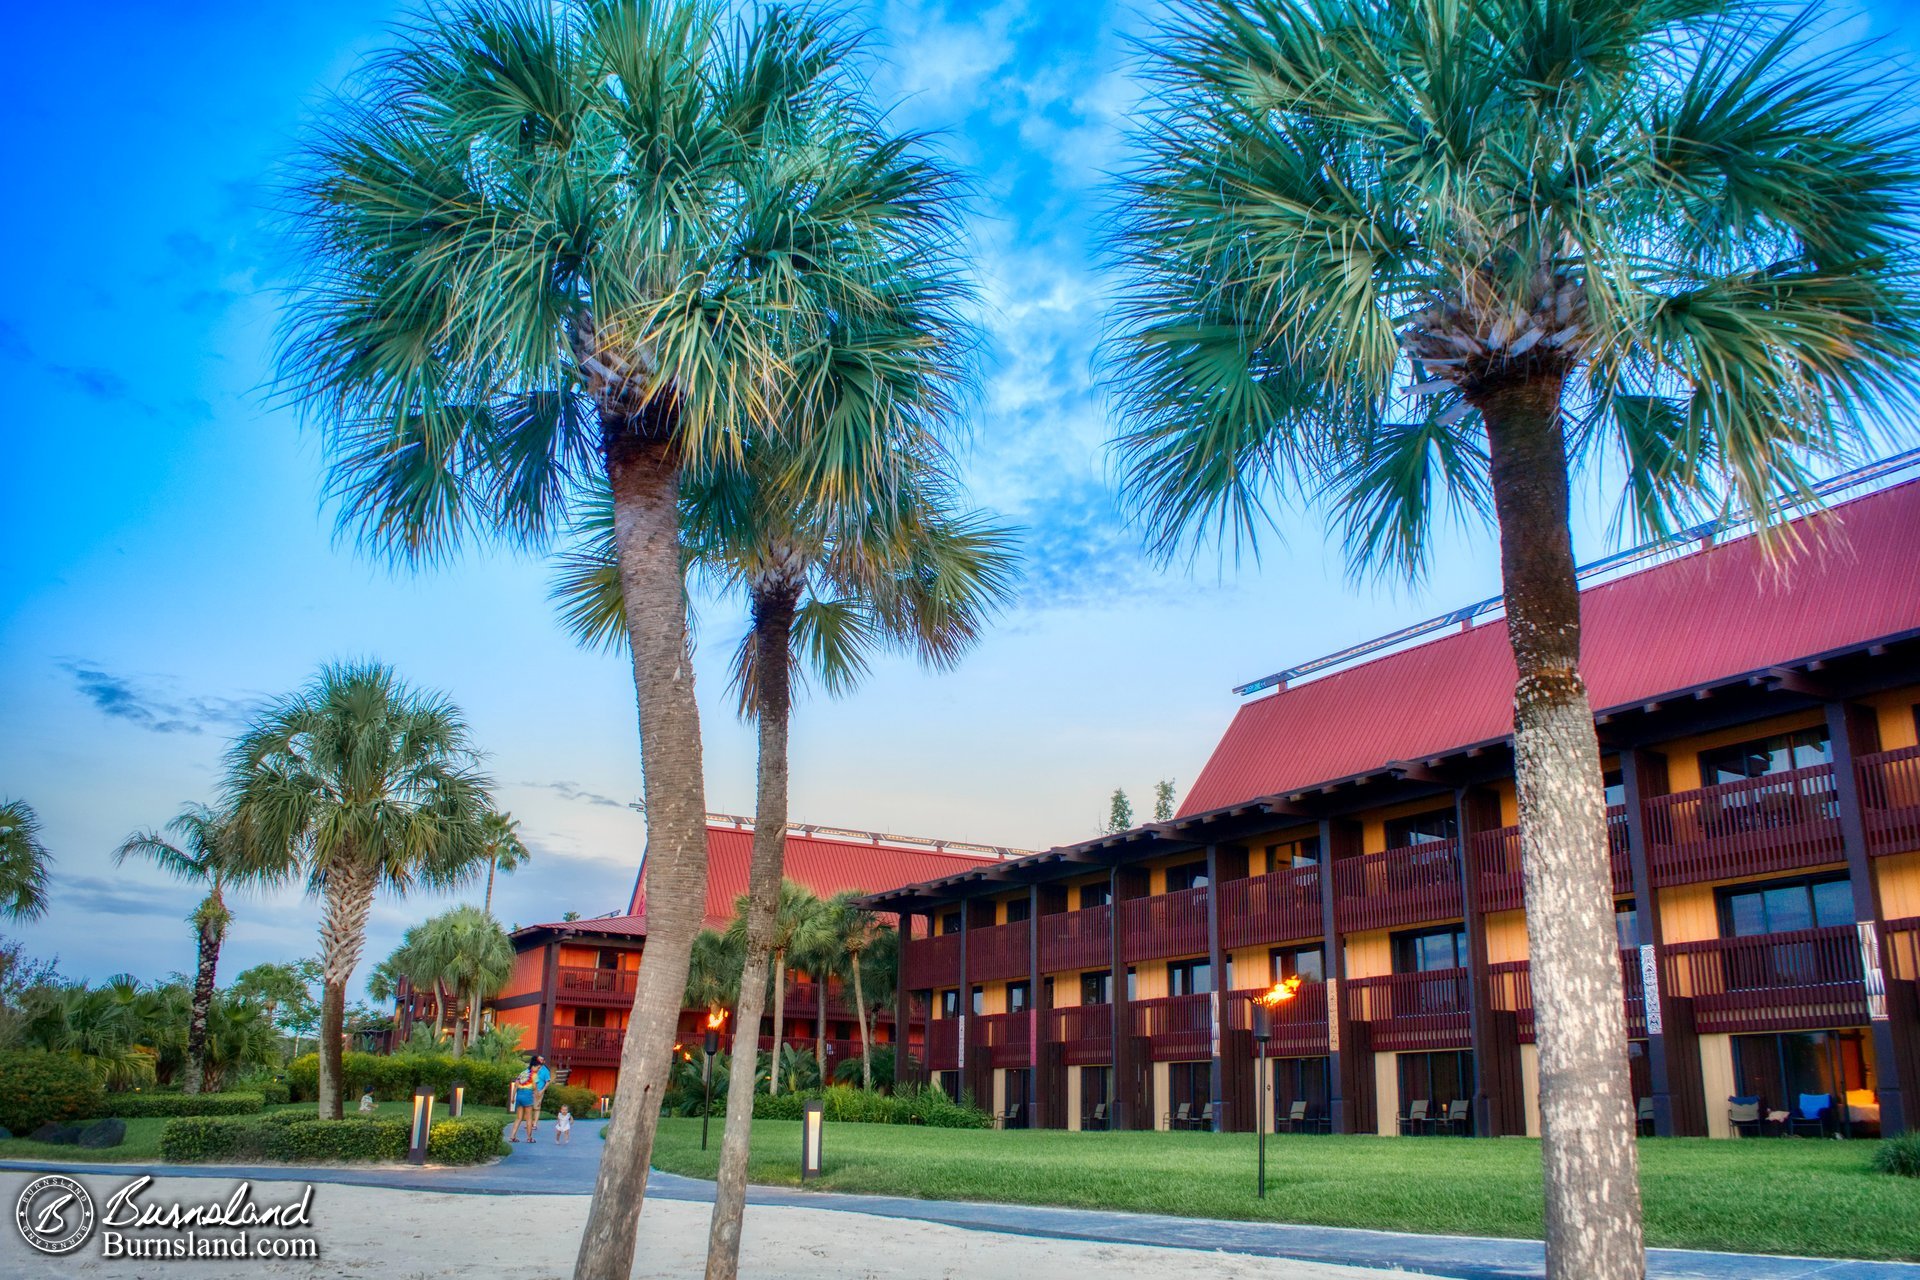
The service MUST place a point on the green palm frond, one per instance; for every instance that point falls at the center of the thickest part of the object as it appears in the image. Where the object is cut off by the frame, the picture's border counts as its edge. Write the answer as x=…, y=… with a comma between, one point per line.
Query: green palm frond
x=24, y=874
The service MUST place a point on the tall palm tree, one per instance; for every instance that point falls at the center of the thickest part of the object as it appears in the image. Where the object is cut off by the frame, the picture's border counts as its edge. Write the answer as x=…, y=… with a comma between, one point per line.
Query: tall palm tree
x=356, y=784
x=1427, y=251
x=425, y=959
x=713, y=973
x=554, y=240
x=480, y=960
x=855, y=933
x=796, y=907
x=23, y=862
x=201, y=853
x=816, y=953
x=505, y=851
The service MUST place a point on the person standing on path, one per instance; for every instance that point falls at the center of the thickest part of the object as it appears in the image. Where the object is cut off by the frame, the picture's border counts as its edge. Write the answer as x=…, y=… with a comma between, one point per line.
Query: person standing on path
x=528, y=1089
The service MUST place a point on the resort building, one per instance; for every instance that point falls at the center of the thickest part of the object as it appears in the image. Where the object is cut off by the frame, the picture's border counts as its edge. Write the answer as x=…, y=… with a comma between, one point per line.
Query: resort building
x=573, y=980
x=1355, y=829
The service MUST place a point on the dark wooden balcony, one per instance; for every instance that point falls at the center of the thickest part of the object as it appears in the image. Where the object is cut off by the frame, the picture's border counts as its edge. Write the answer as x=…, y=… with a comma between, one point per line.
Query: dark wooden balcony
x=1401, y=886
x=1496, y=861
x=1077, y=940
x=1412, y=1012
x=1006, y=1038
x=1169, y=924
x=1280, y=906
x=587, y=1046
x=1804, y=980
x=1178, y=1028
x=943, y=1044
x=1299, y=1025
x=933, y=962
x=579, y=985
x=1776, y=823
x=1084, y=1034
x=998, y=952
x=803, y=1001
x=1890, y=800
x=1510, y=990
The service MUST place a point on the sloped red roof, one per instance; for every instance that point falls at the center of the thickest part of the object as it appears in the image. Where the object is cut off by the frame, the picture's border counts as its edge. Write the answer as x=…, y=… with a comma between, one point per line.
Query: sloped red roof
x=1718, y=613
x=822, y=864
x=616, y=926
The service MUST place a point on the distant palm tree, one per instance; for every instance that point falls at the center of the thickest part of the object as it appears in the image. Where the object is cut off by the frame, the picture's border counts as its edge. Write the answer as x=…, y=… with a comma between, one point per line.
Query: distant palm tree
x=202, y=852
x=1414, y=253
x=479, y=963
x=505, y=851
x=23, y=862
x=853, y=933
x=356, y=784
x=713, y=973
x=796, y=908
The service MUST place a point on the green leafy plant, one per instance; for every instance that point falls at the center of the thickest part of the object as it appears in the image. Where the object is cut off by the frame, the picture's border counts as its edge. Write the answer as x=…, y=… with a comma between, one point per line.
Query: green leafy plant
x=39, y=1088
x=132, y=1106
x=1899, y=1156
x=306, y=1139
x=922, y=1105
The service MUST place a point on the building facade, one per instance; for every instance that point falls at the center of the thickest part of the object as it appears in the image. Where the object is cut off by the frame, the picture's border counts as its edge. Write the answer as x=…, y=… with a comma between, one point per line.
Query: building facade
x=1760, y=731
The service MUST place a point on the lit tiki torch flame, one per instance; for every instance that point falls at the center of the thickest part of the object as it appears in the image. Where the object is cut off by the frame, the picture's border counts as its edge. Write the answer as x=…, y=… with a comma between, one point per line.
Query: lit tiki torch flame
x=1282, y=992
x=716, y=1019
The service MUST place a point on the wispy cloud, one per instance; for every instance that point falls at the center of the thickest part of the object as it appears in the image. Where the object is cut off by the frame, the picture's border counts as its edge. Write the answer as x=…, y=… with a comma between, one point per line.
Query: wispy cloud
x=148, y=703
x=574, y=791
x=103, y=896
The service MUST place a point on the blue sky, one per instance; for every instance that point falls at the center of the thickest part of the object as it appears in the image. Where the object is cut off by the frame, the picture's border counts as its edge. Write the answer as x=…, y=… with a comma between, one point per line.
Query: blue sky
x=168, y=563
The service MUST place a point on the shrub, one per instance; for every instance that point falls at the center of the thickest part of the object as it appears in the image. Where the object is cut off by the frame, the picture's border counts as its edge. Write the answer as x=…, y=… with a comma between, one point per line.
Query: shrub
x=393, y=1078
x=911, y=1105
x=275, y=1093
x=581, y=1100
x=1900, y=1156
x=303, y=1139
x=135, y=1106
x=464, y=1142
x=45, y=1088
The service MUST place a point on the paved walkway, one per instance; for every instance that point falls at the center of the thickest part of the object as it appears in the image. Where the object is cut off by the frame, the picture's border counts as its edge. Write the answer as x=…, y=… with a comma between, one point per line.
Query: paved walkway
x=545, y=1168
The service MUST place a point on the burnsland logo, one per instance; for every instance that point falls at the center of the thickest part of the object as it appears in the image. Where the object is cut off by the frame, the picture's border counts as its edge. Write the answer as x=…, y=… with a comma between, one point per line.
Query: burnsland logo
x=56, y=1216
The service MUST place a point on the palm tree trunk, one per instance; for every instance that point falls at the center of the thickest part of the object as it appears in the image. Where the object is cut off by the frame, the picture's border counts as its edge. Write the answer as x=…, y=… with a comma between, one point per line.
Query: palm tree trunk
x=860, y=1011
x=493, y=865
x=779, y=1015
x=203, y=983
x=343, y=932
x=820, y=1027
x=772, y=631
x=643, y=470
x=1586, y=1113
x=439, y=1012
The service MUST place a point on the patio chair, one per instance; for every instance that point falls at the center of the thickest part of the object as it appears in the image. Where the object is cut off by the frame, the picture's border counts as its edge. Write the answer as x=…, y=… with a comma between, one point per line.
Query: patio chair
x=1205, y=1119
x=1008, y=1118
x=1643, y=1118
x=1180, y=1117
x=1743, y=1114
x=1811, y=1114
x=1459, y=1117
x=1295, y=1120
x=1097, y=1119
x=1415, y=1121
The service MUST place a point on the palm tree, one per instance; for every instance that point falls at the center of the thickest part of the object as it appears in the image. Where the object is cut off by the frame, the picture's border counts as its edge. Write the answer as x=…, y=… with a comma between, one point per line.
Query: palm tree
x=505, y=851
x=1407, y=252
x=713, y=972
x=796, y=907
x=201, y=853
x=554, y=240
x=23, y=862
x=358, y=783
x=854, y=934
x=284, y=991
x=480, y=960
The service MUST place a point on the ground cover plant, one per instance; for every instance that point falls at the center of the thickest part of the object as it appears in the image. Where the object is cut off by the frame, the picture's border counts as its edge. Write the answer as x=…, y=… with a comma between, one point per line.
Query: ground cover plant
x=1750, y=1196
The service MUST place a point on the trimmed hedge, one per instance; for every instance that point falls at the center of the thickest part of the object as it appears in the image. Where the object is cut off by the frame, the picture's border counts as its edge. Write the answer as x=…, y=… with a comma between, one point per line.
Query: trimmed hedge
x=583, y=1101
x=137, y=1106
x=296, y=1139
x=393, y=1078
x=45, y=1088
x=275, y=1093
x=842, y=1103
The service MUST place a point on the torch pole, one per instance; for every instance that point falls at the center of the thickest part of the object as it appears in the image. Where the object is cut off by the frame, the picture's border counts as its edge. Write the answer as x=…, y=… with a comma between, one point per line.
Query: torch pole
x=706, y=1112
x=1260, y=1113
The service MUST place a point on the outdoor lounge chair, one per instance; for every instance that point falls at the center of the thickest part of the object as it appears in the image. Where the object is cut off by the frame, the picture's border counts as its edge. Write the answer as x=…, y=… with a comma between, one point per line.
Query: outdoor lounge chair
x=1180, y=1117
x=1098, y=1119
x=1812, y=1114
x=1205, y=1119
x=1415, y=1121
x=1643, y=1118
x=1295, y=1120
x=1009, y=1118
x=1459, y=1117
x=1743, y=1114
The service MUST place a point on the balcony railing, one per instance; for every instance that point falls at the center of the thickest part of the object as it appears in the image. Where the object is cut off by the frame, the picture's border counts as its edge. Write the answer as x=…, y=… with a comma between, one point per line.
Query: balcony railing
x=1077, y=939
x=1774, y=823
x=1299, y=1025
x=1496, y=861
x=1510, y=990
x=1890, y=800
x=802, y=1000
x=1799, y=981
x=1178, y=1028
x=1084, y=1034
x=1006, y=1038
x=997, y=952
x=1277, y=907
x=1412, y=1012
x=1170, y=924
x=1401, y=886
x=933, y=962
x=580, y=985
x=580, y=1044
x=943, y=1044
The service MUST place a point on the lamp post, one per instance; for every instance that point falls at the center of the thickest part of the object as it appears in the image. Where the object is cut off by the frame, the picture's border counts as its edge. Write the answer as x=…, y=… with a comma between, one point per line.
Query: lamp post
x=422, y=1129
x=459, y=1101
x=716, y=1018
x=1263, y=1007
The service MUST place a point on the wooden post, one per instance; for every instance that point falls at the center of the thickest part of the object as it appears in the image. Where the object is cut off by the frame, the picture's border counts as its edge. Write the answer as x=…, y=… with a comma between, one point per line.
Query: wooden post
x=1217, y=969
x=1334, y=963
x=902, y=1011
x=1120, y=1103
x=1036, y=1019
x=549, y=999
x=1469, y=818
x=1643, y=775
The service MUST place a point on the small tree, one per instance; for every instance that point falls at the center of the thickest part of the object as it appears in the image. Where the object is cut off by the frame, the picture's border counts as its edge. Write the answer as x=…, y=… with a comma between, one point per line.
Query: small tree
x=1119, y=812
x=1163, y=800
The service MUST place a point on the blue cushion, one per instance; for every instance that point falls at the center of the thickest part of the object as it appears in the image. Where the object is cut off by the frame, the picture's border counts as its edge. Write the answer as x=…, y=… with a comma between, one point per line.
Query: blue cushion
x=1814, y=1105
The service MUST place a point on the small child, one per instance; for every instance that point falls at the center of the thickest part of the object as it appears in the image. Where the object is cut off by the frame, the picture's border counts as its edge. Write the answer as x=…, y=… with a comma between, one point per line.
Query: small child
x=366, y=1102
x=563, y=1125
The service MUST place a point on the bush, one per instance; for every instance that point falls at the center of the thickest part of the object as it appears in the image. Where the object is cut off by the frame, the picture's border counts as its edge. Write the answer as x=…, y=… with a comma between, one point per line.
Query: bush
x=135, y=1106
x=275, y=1093
x=583, y=1101
x=1900, y=1156
x=393, y=1078
x=302, y=1139
x=45, y=1088
x=923, y=1105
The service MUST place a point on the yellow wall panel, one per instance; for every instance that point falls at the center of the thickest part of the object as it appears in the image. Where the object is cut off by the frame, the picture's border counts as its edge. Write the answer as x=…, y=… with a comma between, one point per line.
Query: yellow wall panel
x=1150, y=980
x=1896, y=718
x=1506, y=937
x=1687, y=913
x=1386, y=1094
x=1716, y=1076
x=1369, y=954
x=1899, y=885
x=1530, y=1087
x=1683, y=754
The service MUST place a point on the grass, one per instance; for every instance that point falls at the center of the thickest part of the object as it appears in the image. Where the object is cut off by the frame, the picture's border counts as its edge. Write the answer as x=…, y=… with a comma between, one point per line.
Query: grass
x=143, y=1136
x=1820, y=1199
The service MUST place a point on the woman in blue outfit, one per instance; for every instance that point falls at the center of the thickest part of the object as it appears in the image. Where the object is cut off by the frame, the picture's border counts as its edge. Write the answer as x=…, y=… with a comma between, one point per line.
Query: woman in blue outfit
x=527, y=1089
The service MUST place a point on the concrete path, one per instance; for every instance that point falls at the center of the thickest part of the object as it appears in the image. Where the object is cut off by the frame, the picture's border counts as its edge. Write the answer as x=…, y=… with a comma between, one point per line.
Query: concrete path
x=545, y=1168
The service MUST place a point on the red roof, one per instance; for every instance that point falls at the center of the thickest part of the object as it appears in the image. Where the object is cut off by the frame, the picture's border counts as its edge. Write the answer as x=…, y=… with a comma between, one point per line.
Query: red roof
x=1716, y=614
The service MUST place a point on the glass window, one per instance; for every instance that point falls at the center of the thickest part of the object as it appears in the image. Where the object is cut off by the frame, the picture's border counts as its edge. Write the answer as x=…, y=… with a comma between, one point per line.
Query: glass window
x=1420, y=828
x=1430, y=949
x=950, y=1003
x=950, y=922
x=1095, y=895
x=1832, y=902
x=1616, y=785
x=1097, y=988
x=1018, y=909
x=1778, y=753
x=1133, y=984
x=1191, y=875
x=1626, y=925
x=1019, y=996
x=1780, y=906
x=1307, y=963
x=1189, y=978
x=979, y=1001
x=1304, y=852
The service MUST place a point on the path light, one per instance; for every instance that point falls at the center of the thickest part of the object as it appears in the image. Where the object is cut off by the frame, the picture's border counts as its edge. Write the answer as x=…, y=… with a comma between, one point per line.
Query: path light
x=716, y=1018
x=459, y=1100
x=422, y=1125
x=1263, y=1007
x=811, y=1125
x=606, y=1104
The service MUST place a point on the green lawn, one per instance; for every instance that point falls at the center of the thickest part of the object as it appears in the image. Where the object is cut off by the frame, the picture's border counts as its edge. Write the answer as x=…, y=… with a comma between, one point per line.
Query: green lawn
x=1821, y=1199
x=143, y=1136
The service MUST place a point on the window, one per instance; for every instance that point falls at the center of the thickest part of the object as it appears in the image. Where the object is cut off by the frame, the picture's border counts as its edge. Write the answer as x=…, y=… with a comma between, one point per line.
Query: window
x=1018, y=909
x=1420, y=828
x=1780, y=906
x=1190, y=875
x=1626, y=925
x=979, y=1001
x=1430, y=949
x=950, y=922
x=1306, y=963
x=1189, y=978
x=1779, y=1068
x=1019, y=996
x=1438, y=1077
x=1095, y=895
x=1097, y=988
x=1616, y=784
x=950, y=1003
x=1762, y=756
x=608, y=958
x=1133, y=984
x=1304, y=852
x=589, y=1017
